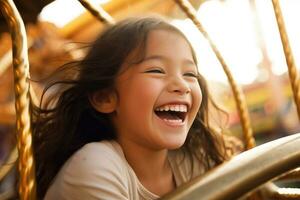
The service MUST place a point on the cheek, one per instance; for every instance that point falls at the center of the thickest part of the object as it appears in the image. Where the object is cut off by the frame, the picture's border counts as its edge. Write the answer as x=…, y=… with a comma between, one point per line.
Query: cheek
x=140, y=96
x=145, y=90
x=197, y=97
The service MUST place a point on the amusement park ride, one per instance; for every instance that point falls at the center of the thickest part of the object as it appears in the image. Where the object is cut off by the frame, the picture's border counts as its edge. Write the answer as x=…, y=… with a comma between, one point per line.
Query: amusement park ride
x=242, y=176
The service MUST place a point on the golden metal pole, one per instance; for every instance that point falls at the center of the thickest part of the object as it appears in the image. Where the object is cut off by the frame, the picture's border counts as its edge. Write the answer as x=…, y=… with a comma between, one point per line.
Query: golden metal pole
x=5, y=62
x=98, y=12
x=293, y=72
x=27, y=184
x=237, y=93
x=295, y=85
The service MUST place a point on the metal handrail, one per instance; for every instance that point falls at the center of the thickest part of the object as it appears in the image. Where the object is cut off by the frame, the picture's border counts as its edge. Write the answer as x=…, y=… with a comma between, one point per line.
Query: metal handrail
x=244, y=173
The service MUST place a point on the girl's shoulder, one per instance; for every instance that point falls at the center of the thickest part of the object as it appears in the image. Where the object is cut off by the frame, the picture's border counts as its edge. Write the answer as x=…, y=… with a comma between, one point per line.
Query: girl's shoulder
x=94, y=156
x=94, y=151
x=96, y=168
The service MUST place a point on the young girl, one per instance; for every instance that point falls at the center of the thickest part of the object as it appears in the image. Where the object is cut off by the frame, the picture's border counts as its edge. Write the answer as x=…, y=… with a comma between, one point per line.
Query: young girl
x=131, y=120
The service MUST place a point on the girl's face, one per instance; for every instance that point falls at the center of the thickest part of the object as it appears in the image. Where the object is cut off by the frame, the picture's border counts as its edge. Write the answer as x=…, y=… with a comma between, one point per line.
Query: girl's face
x=158, y=99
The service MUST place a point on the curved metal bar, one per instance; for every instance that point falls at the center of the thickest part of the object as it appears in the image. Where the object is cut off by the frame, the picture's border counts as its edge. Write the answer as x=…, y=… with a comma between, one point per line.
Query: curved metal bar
x=277, y=193
x=243, y=173
x=237, y=93
x=27, y=184
x=292, y=175
x=293, y=72
x=5, y=60
x=287, y=194
x=98, y=12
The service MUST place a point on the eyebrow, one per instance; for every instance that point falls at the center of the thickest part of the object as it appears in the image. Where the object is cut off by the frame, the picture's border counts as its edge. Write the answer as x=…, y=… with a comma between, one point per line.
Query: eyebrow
x=158, y=57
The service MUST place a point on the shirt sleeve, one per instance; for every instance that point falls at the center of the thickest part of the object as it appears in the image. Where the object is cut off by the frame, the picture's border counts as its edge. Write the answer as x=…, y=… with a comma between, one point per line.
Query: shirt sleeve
x=93, y=173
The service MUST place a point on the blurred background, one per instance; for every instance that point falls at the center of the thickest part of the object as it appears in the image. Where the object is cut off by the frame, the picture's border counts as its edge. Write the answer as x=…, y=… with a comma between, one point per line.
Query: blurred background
x=245, y=32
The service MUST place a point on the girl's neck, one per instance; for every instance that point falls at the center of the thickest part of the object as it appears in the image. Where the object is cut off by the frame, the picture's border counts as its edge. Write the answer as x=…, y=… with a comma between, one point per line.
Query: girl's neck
x=150, y=166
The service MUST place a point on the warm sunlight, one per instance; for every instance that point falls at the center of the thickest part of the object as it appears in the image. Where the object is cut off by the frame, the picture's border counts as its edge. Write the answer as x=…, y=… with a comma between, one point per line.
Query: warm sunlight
x=239, y=28
x=239, y=35
x=60, y=12
x=290, y=10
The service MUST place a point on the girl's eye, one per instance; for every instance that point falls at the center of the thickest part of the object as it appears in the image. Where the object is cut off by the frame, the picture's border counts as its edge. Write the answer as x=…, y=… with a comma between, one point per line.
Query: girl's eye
x=154, y=71
x=191, y=74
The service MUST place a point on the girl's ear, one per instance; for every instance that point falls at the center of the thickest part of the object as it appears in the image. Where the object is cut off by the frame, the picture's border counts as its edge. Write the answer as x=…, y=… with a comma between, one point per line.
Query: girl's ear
x=104, y=102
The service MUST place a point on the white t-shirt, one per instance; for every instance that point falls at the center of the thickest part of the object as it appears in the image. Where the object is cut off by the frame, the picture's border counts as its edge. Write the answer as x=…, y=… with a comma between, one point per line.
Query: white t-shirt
x=99, y=170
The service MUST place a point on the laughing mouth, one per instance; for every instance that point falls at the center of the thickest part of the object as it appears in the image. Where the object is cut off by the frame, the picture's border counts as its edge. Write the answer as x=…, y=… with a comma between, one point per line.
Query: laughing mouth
x=172, y=112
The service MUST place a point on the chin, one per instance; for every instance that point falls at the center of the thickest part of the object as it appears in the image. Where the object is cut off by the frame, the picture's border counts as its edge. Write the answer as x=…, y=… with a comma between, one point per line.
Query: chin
x=174, y=144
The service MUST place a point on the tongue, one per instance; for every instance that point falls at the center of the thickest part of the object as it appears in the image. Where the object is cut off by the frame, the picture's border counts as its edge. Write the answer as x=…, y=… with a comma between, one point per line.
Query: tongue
x=167, y=115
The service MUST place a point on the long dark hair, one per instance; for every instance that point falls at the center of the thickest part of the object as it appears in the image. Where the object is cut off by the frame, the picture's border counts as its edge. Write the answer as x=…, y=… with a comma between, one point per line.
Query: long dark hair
x=65, y=119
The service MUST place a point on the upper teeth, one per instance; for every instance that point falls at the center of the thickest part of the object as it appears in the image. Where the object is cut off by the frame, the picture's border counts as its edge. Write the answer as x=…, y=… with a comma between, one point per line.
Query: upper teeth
x=177, y=108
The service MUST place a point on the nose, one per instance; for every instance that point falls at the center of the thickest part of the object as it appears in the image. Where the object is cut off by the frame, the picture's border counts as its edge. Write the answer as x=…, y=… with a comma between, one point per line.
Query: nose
x=178, y=85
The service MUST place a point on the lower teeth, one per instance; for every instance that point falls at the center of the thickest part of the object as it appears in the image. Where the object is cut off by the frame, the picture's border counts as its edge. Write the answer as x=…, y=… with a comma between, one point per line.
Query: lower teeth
x=173, y=120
